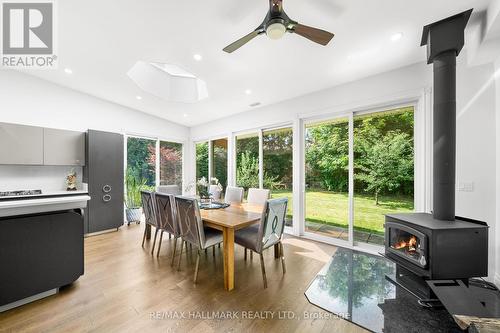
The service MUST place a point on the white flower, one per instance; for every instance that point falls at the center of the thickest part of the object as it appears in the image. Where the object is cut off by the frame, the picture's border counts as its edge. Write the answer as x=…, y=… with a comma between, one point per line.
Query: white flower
x=203, y=182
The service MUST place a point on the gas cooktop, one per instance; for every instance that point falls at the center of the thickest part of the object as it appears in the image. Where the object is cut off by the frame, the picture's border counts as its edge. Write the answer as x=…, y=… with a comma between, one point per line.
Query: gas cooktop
x=20, y=193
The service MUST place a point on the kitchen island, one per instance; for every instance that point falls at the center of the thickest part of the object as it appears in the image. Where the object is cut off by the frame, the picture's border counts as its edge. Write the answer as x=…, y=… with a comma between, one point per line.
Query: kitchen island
x=41, y=241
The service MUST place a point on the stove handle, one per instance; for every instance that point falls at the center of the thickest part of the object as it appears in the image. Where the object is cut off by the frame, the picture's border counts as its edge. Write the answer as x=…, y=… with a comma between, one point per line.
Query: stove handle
x=106, y=188
x=106, y=198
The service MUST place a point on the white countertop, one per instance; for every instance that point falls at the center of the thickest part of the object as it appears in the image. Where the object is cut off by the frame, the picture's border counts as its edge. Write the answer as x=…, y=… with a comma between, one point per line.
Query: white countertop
x=44, y=194
x=41, y=205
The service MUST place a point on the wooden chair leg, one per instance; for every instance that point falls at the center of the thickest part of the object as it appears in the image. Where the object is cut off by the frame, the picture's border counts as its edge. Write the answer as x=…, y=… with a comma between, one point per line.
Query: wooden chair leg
x=159, y=244
x=263, y=268
x=144, y=237
x=175, y=249
x=213, y=251
x=197, y=265
x=180, y=256
x=154, y=242
x=251, y=255
x=206, y=251
x=245, y=253
x=282, y=257
x=219, y=245
x=169, y=236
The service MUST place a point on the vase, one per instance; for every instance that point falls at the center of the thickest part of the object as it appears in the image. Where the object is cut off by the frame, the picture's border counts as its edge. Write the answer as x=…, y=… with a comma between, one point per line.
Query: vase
x=133, y=215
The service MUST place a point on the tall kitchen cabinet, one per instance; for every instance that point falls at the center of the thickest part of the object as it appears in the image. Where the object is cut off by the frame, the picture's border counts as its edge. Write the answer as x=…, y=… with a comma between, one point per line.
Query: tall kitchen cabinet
x=105, y=177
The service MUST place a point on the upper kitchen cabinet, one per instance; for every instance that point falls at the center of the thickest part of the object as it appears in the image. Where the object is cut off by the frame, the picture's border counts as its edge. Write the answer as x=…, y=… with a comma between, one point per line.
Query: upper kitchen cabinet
x=21, y=144
x=63, y=147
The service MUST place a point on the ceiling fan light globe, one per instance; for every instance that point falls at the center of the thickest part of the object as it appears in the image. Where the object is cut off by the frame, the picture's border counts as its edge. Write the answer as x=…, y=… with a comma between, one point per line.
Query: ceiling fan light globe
x=275, y=30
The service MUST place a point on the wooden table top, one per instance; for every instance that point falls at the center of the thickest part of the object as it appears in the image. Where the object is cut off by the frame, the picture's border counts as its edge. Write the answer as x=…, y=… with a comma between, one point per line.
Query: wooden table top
x=236, y=216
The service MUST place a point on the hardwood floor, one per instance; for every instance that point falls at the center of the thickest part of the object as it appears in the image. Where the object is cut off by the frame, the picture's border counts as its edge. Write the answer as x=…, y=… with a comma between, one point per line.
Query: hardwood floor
x=125, y=289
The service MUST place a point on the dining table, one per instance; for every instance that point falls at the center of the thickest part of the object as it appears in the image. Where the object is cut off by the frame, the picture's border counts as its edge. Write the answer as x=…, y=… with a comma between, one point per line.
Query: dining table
x=228, y=220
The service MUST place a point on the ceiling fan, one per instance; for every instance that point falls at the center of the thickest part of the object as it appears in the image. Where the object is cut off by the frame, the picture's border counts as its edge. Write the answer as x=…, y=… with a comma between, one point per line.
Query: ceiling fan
x=276, y=24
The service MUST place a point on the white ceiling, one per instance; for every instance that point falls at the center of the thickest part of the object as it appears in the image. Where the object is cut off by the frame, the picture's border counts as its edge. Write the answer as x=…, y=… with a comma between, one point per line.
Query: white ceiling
x=101, y=40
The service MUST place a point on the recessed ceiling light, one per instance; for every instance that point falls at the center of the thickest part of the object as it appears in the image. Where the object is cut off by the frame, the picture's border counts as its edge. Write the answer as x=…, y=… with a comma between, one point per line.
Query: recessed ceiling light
x=68, y=71
x=138, y=97
x=397, y=36
x=197, y=57
x=185, y=115
x=248, y=92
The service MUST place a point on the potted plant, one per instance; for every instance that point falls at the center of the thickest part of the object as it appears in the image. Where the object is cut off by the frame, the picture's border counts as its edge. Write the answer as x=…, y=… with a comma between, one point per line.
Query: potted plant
x=203, y=188
x=133, y=185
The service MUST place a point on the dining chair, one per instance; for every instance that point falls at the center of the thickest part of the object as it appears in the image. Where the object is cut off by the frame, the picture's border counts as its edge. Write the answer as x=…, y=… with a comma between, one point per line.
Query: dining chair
x=258, y=196
x=148, y=208
x=167, y=219
x=267, y=234
x=169, y=189
x=193, y=231
x=215, y=192
x=234, y=194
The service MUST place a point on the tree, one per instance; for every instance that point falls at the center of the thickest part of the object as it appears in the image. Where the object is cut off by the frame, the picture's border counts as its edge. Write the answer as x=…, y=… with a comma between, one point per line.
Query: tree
x=247, y=172
x=170, y=162
x=202, y=160
x=138, y=155
x=385, y=163
x=327, y=156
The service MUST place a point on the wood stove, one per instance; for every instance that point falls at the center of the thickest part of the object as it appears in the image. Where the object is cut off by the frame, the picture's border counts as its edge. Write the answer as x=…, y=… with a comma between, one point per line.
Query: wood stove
x=437, y=249
x=441, y=245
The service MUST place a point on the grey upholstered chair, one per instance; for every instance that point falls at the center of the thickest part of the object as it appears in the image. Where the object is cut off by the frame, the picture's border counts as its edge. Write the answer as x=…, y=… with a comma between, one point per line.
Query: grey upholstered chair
x=258, y=196
x=257, y=238
x=234, y=194
x=193, y=231
x=214, y=192
x=167, y=219
x=148, y=208
x=169, y=189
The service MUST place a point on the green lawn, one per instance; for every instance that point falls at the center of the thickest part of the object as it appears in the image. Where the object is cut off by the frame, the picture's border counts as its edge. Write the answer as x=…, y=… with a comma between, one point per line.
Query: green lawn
x=332, y=208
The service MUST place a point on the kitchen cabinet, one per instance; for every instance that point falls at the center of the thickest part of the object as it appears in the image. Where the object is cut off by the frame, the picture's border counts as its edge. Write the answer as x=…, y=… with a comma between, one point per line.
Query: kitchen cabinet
x=104, y=175
x=21, y=144
x=62, y=147
x=30, y=145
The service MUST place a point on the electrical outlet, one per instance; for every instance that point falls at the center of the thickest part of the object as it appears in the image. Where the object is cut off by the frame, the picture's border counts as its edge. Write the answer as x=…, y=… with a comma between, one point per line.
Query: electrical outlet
x=465, y=186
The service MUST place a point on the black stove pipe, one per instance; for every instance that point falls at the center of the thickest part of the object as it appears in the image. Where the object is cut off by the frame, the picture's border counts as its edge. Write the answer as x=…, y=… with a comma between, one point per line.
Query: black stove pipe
x=445, y=120
x=445, y=40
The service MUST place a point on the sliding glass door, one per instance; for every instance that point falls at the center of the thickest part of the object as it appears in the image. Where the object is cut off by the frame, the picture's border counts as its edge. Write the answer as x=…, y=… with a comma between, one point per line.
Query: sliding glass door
x=327, y=178
x=383, y=170
x=247, y=161
x=141, y=160
x=171, y=163
x=219, y=161
x=277, y=148
x=202, y=160
x=377, y=149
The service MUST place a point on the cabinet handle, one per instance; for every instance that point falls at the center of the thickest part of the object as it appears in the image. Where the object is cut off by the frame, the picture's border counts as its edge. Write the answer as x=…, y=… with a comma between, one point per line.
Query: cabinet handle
x=106, y=188
x=106, y=198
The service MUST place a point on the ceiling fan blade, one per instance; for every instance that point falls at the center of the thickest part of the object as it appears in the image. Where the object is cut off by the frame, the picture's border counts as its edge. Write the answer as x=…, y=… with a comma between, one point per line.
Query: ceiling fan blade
x=316, y=35
x=242, y=41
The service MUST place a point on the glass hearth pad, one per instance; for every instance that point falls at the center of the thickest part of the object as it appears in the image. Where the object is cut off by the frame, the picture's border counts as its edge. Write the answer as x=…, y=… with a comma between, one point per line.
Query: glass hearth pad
x=354, y=286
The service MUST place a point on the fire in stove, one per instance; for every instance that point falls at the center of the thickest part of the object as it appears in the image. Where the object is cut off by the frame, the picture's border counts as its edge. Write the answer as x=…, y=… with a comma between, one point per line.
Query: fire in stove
x=410, y=244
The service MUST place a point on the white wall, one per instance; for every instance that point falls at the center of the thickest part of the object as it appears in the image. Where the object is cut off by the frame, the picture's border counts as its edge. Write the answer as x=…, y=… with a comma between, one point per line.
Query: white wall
x=27, y=100
x=31, y=101
x=476, y=132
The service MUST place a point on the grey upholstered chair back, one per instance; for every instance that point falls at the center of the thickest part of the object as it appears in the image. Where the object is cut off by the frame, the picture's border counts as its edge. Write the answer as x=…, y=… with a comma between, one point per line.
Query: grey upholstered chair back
x=258, y=196
x=190, y=222
x=272, y=223
x=234, y=194
x=214, y=191
x=148, y=208
x=169, y=189
x=166, y=213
